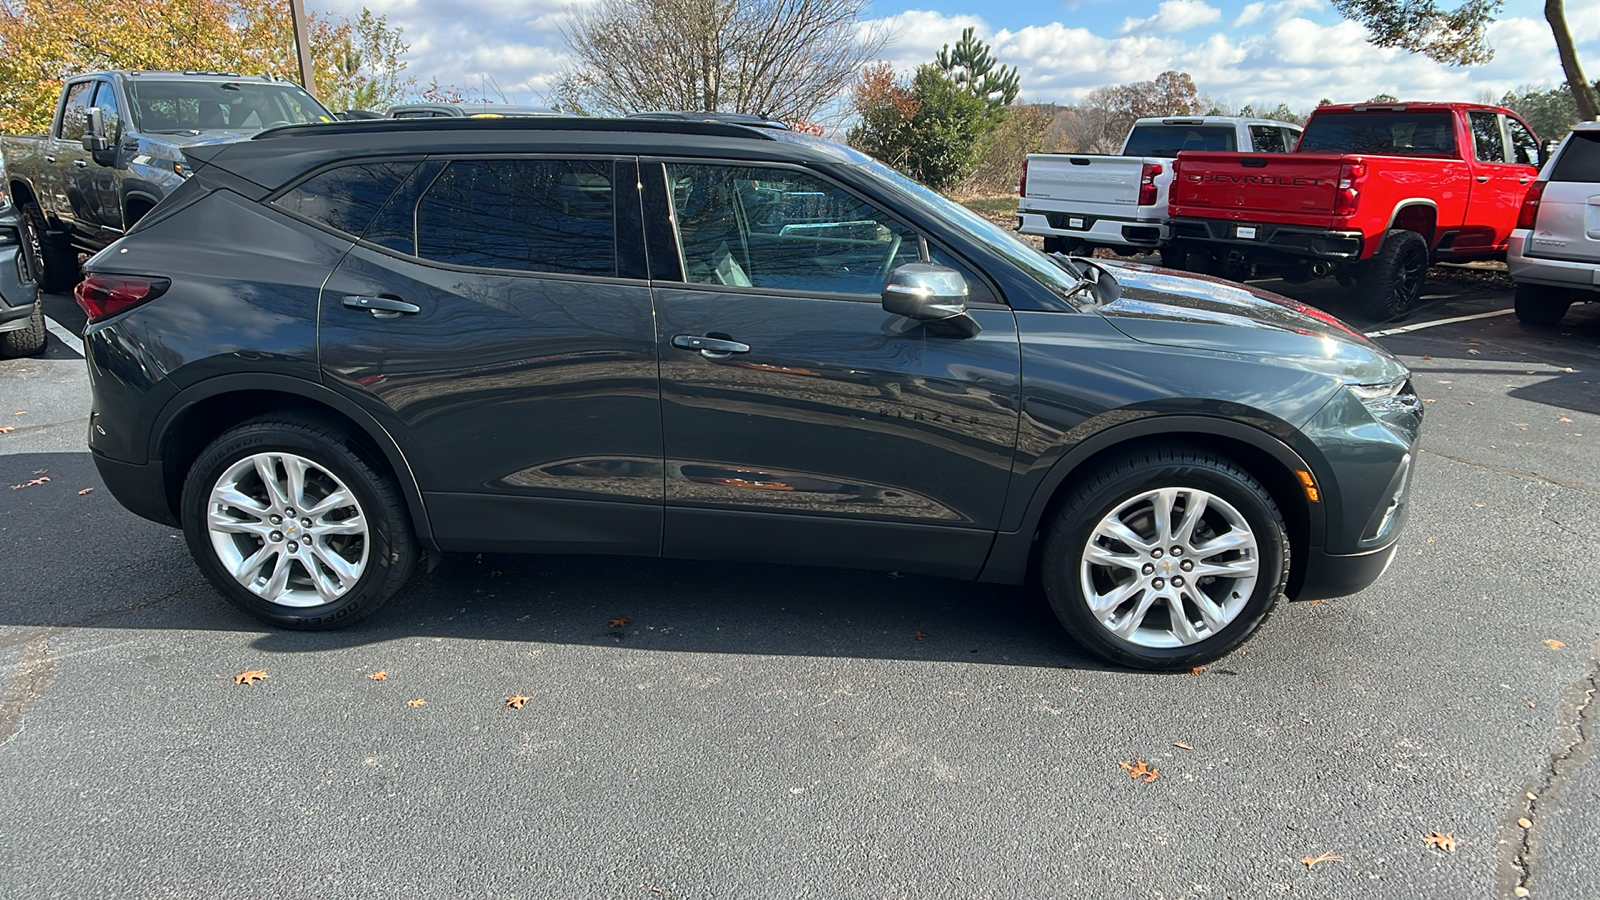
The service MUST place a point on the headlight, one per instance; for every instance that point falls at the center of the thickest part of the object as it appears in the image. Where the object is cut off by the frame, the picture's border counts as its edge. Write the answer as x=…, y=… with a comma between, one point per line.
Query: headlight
x=1395, y=404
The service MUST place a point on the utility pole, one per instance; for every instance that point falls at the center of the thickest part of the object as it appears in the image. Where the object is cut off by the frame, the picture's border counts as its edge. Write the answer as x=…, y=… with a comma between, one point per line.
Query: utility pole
x=302, y=46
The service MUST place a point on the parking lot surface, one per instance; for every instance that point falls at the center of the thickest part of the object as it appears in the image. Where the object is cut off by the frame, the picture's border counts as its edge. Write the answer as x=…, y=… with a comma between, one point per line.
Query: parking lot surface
x=717, y=730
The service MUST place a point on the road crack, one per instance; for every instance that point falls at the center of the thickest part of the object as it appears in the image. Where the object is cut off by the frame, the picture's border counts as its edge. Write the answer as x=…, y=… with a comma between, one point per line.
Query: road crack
x=1515, y=473
x=1547, y=786
x=34, y=673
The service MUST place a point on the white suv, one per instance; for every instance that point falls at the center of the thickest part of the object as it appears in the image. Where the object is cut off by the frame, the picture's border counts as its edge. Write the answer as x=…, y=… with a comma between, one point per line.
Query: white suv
x=1554, y=254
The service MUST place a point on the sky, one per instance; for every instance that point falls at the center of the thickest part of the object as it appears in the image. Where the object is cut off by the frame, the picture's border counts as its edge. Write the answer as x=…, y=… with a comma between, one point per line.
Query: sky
x=1261, y=53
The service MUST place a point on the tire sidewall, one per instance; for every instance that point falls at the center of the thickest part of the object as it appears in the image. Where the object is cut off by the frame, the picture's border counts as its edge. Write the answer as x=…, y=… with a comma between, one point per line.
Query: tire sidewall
x=378, y=580
x=1084, y=513
x=1384, y=297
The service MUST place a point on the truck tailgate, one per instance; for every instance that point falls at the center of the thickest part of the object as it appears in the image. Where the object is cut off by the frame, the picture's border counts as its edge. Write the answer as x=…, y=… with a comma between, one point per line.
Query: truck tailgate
x=1278, y=187
x=1102, y=185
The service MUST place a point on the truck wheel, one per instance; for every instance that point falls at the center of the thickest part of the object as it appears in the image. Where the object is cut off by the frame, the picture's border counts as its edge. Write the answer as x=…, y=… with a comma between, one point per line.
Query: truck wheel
x=1539, y=304
x=54, y=261
x=28, y=341
x=1388, y=284
x=1174, y=256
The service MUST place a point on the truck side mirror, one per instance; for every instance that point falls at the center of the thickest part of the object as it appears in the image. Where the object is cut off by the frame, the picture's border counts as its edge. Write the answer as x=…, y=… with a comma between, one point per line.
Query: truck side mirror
x=95, y=140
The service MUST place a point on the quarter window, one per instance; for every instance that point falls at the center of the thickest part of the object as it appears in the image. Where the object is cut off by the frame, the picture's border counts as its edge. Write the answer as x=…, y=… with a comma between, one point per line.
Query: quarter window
x=1524, y=146
x=529, y=215
x=347, y=198
x=1486, y=139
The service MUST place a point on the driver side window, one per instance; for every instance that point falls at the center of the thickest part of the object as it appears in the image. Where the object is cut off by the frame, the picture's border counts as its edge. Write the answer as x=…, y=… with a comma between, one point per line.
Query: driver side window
x=750, y=226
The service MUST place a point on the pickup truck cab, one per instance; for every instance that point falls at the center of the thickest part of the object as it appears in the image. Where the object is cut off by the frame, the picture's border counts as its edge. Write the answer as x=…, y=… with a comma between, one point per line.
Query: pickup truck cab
x=115, y=149
x=1080, y=201
x=1373, y=194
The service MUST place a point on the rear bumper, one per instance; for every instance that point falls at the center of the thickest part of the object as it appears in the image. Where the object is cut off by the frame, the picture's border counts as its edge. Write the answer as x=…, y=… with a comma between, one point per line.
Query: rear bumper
x=1340, y=574
x=1105, y=231
x=1527, y=269
x=141, y=488
x=1283, y=240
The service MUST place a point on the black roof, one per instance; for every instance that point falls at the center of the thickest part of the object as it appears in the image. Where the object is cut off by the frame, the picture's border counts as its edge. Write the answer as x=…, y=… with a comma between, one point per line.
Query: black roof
x=277, y=156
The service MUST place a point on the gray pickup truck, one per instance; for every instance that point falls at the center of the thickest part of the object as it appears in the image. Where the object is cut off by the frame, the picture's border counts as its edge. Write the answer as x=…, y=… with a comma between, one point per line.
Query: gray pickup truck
x=115, y=149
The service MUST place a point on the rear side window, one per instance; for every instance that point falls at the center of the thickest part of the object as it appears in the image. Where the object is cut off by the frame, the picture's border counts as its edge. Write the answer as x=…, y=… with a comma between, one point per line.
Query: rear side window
x=1579, y=159
x=1524, y=146
x=1397, y=133
x=1168, y=140
x=346, y=198
x=1267, y=139
x=526, y=215
x=74, y=116
x=1486, y=140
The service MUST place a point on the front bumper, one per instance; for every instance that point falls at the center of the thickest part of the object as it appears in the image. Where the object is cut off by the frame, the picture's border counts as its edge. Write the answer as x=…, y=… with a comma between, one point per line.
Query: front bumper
x=1284, y=240
x=1103, y=231
x=1525, y=269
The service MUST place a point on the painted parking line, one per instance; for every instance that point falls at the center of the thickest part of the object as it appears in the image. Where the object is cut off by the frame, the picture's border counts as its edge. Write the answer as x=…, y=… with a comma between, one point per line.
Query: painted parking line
x=1421, y=325
x=64, y=334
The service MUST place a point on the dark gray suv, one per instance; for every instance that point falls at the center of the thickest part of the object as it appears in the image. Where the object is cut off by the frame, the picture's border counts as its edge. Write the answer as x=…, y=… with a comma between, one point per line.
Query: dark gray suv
x=338, y=349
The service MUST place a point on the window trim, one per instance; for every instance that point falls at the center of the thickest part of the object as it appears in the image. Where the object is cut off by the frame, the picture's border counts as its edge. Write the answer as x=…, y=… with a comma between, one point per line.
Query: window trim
x=1500, y=124
x=924, y=240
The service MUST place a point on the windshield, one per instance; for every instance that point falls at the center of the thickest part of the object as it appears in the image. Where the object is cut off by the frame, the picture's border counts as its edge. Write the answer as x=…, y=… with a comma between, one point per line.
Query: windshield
x=1167, y=140
x=1006, y=243
x=1397, y=133
x=171, y=107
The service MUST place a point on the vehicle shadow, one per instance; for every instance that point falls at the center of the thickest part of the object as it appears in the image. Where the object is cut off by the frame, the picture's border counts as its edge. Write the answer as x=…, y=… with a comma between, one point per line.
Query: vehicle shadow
x=92, y=564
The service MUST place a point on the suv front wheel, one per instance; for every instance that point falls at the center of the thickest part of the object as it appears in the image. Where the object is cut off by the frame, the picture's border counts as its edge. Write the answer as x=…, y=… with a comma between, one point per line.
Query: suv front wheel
x=295, y=525
x=1165, y=559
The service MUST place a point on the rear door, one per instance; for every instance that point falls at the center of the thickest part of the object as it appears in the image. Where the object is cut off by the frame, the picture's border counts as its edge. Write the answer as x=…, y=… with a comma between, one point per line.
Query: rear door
x=829, y=431
x=1568, y=226
x=1499, y=182
x=496, y=314
x=66, y=162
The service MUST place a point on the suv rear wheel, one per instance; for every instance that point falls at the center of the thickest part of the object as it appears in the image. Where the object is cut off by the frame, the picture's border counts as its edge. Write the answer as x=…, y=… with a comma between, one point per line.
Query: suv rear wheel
x=1165, y=559
x=295, y=526
x=1539, y=304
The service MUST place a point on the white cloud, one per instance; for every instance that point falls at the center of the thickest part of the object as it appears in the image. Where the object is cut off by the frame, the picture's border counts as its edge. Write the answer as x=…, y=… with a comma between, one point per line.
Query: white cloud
x=1173, y=16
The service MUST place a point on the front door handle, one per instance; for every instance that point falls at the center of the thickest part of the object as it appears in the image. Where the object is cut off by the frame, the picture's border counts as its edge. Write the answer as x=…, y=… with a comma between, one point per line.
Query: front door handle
x=709, y=347
x=381, y=307
x=80, y=164
x=1483, y=179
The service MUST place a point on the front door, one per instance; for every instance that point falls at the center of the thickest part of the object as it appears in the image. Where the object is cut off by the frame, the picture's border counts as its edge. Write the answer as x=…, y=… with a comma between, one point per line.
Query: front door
x=816, y=427
x=497, y=314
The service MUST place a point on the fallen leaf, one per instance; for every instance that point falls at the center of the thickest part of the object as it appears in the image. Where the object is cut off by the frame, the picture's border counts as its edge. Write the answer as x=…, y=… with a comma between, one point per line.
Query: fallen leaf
x=1554, y=644
x=20, y=412
x=620, y=622
x=918, y=635
x=85, y=491
x=478, y=559
x=1471, y=403
x=380, y=675
x=1525, y=822
x=1477, y=505
x=1318, y=602
x=1311, y=861
x=1568, y=369
x=1427, y=400
x=495, y=573
x=416, y=703
x=1426, y=356
x=1141, y=770
x=517, y=701
x=250, y=677
x=1564, y=419
x=1181, y=745
x=7, y=429
x=37, y=481
x=1197, y=671
x=1473, y=352
x=1530, y=704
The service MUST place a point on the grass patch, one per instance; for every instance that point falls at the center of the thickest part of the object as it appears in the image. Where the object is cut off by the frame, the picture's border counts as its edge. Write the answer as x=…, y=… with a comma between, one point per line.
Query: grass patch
x=1004, y=204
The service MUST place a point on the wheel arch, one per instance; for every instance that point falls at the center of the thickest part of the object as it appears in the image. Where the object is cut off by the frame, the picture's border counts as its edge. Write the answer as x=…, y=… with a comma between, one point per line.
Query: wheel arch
x=1417, y=214
x=196, y=416
x=143, y=201
x=1262, y=455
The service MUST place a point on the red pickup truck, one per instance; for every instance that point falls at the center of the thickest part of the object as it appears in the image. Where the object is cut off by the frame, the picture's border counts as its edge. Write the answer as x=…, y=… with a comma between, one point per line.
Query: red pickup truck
x=1372, y=194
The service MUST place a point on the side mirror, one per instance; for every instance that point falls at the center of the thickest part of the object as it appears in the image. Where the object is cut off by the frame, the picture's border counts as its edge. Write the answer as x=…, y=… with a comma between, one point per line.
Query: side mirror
x=930, y=294
x=95, y=140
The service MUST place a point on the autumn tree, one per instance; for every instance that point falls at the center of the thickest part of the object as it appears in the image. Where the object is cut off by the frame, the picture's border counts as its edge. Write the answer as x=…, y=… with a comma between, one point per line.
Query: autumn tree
x=1459, y=36
x=1106, y=114
x=43, y=42
x=783, y=58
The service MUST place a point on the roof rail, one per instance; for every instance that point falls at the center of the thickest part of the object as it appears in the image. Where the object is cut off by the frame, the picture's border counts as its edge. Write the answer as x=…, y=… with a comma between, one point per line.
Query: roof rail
x=520, y=123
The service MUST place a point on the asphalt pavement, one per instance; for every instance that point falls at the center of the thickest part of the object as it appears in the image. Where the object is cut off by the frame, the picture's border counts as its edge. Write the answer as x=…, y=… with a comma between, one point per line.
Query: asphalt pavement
x=712, y=730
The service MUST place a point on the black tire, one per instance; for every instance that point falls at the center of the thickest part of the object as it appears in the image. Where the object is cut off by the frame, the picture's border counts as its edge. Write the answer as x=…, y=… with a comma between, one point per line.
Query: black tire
x=1389, y=284
x=1122, y=483
x=1539, y=304
x=391, y=552
x=30, y=340
x=54, y=261
x=1068, y=246
x=1174, y=256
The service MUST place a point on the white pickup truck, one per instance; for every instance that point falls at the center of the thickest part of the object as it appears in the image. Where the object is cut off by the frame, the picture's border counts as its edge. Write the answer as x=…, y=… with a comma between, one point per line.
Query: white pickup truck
x=1079, y=201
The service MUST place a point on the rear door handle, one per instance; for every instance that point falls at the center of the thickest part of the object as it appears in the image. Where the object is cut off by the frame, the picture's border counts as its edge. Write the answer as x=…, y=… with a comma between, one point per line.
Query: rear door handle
x=381, y=307
x=49, y=159
x=709, y=347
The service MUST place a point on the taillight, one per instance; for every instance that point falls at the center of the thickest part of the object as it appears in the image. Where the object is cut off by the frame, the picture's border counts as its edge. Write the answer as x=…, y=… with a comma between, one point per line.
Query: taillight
x=1348, y=193
x=1022, y=188
x=103, y=296
x=1147, y=184
x=1530, y=205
